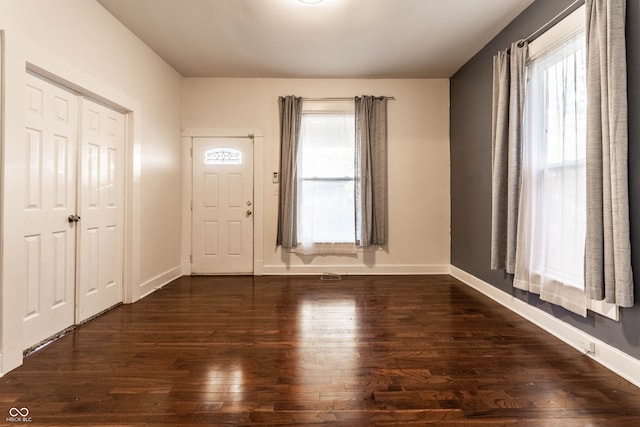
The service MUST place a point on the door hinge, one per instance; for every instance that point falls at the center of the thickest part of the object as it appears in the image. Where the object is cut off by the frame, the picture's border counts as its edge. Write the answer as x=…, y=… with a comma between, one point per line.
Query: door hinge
x=191, y=258
x=191, y=151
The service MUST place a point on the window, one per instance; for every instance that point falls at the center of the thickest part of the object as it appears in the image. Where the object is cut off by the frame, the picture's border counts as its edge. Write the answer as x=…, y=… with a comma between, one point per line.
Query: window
x=543, y=186
x=223, y=156
x=333, y=169
x=326, y=173
x=557, y=95
x=552, y=222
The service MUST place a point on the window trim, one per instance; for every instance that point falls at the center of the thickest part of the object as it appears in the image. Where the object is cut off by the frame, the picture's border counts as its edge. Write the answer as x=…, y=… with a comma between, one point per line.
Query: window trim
x=569, y=27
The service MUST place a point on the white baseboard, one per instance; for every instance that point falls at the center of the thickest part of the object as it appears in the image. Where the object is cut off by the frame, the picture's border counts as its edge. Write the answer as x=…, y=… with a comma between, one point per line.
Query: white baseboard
x=610, y=357
x=378, y=269
x=158, y=282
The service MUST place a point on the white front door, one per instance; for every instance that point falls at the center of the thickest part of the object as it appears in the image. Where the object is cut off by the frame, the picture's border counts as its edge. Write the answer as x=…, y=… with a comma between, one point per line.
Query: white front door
x=101, y=214
x=49, y=189
x=222, y=220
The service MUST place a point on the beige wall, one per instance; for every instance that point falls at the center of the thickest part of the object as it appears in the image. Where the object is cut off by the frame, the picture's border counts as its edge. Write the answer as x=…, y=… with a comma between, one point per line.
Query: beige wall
x=79, y=43
x=418, y=162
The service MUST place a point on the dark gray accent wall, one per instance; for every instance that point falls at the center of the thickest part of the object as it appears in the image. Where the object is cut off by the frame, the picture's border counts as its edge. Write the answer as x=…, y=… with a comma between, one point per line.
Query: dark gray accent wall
x=471, y=172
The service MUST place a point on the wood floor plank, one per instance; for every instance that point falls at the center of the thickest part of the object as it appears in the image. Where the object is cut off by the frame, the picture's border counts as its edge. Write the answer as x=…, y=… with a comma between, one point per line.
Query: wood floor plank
x=362, y=351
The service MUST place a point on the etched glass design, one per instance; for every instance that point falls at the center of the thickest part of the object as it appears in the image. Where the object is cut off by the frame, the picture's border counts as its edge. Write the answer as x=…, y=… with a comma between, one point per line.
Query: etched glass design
x=223, y=156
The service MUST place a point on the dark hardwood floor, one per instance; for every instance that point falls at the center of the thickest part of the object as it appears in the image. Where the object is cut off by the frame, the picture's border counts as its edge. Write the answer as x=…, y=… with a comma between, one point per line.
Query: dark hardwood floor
x=363, y=351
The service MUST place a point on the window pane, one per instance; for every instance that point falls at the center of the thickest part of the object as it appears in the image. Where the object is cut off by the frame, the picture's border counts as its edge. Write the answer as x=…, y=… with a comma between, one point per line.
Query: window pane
x=565, y=223
x=223, y=156
x=567, y=103
x=327, y=211
x=327, y=145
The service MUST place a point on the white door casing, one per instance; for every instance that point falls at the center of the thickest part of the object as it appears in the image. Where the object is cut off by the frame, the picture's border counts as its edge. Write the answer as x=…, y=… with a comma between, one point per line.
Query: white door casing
x=100, y=244
x=222, y=212
x=49, y=189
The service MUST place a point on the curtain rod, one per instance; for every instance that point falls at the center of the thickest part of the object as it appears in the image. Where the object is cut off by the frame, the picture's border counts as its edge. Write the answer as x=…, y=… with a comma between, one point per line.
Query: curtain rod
x=345, y=98
x=569, y=9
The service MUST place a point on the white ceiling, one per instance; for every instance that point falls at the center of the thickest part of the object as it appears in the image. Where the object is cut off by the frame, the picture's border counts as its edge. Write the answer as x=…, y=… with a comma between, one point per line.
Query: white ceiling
x=332, y=39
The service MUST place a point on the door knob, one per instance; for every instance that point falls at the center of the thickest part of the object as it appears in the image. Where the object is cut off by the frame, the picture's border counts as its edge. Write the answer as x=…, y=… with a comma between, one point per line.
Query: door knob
x=74, y=218
x=249, y=213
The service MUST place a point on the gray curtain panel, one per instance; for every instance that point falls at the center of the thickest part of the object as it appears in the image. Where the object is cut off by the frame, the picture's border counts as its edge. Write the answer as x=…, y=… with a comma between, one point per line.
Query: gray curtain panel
x=608, y=272
x=507, y=119
x=290, y=123
x=371, y=171
x=499, y=159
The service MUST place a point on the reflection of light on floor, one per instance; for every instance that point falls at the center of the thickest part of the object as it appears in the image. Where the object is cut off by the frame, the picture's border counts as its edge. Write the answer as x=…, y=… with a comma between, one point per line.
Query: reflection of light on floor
x=333, y=321
x=328, y=334
x=226, y=381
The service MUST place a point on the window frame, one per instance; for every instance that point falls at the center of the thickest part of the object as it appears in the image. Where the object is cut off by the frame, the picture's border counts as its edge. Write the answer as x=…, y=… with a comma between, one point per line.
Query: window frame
x=329, y=107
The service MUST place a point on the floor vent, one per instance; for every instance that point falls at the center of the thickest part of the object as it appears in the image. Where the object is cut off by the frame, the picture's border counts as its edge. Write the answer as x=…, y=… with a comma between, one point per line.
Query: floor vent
x=330, y=276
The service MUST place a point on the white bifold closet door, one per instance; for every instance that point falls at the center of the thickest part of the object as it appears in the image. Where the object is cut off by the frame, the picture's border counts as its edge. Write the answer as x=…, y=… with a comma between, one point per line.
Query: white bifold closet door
x=73, y=163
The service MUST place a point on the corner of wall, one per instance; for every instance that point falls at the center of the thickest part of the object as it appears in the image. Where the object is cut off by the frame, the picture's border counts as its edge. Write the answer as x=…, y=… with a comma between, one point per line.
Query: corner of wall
x=158, y=282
